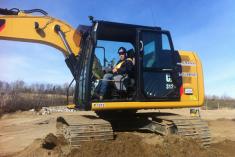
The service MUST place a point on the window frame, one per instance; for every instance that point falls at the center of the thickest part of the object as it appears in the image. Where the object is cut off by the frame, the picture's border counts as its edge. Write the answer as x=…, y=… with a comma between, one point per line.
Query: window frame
x=140, y=84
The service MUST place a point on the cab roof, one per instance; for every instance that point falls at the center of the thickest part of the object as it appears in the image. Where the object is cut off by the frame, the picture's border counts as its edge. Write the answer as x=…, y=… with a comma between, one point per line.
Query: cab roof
x=119, y=31
x=114, y=31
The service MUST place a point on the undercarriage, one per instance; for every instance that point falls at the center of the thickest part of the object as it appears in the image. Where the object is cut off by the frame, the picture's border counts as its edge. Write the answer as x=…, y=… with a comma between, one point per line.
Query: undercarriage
x=78, y=128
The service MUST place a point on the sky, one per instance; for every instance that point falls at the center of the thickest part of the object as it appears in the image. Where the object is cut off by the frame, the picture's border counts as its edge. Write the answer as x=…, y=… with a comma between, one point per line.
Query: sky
x=205, y=27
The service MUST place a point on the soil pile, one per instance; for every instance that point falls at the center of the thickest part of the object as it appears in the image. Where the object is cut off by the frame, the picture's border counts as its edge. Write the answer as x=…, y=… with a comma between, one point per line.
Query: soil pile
x=125, y=145
x=227, y=147
x=128, y=145
x=49, y=146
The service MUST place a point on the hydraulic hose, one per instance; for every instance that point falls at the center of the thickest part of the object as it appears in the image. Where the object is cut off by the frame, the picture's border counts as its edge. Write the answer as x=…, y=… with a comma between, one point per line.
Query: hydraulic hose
x=8, y=12
x=15, y=11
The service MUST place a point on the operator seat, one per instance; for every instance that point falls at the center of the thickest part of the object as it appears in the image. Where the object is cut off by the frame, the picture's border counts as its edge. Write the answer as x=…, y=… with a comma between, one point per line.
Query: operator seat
x=127, y=82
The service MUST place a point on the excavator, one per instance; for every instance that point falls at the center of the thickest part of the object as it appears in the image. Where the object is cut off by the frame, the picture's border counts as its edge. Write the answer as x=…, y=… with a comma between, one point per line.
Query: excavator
x=164, y=78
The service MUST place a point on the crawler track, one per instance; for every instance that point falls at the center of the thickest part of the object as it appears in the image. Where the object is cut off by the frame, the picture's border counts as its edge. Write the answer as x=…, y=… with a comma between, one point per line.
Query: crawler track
x=77, y=129
x=193, y=127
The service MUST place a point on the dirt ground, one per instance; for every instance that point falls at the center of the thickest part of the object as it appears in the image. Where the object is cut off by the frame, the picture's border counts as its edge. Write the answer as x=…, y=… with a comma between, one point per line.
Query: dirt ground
x=25, y=134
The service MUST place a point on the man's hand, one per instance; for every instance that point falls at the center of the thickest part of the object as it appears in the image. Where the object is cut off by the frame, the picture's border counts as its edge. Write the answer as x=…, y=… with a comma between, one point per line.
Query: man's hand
x=114, y=70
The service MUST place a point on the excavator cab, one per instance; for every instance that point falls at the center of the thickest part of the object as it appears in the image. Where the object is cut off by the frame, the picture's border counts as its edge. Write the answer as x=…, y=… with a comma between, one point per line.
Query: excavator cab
x=156, y=72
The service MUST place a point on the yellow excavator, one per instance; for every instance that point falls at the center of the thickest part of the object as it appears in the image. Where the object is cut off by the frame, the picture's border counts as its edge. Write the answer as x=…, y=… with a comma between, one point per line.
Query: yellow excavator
x=164, y=78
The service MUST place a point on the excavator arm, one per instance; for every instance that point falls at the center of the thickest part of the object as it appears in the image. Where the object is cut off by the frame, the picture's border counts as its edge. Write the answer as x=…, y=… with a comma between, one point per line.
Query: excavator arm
x=23, y=26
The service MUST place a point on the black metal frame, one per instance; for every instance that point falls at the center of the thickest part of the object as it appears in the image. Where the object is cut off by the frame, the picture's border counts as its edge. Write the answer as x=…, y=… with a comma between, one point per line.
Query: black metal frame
x=88, y=50
x=67, y=92
x=105, y=60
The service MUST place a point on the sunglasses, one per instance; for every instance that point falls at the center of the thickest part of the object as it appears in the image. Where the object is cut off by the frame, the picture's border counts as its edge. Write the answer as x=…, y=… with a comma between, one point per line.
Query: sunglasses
x=121, y=53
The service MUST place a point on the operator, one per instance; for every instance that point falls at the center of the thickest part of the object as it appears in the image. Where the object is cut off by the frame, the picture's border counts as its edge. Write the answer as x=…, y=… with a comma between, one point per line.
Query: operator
x=123, y=67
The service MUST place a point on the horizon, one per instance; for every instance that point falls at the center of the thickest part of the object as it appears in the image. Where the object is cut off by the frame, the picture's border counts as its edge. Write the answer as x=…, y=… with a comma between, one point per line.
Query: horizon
x=26, y=84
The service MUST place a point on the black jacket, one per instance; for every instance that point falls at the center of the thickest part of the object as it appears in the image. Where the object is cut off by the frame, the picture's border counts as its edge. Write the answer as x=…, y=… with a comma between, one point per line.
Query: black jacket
x=126, y=67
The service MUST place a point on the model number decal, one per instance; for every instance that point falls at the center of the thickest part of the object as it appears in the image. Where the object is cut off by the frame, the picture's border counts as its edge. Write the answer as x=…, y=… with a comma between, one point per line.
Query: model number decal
x=187, y=63
x=184, y=74
x=99, y=105
x=169, y=86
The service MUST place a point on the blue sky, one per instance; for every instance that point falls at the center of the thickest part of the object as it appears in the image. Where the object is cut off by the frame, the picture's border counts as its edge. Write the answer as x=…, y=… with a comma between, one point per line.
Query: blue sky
x=206, y=27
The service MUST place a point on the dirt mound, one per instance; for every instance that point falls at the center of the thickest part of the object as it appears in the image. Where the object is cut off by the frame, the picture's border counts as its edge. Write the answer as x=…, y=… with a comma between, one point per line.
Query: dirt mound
x=124, y=145
x=50, y=141
x=227, y=146
x=49, y=146
x=127, y=145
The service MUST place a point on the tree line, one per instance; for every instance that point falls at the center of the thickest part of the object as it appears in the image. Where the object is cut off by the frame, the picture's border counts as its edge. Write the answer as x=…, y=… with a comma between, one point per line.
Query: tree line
x=20, y=86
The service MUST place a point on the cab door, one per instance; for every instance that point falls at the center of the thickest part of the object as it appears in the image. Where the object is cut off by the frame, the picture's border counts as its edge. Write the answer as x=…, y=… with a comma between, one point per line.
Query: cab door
x=159, y=73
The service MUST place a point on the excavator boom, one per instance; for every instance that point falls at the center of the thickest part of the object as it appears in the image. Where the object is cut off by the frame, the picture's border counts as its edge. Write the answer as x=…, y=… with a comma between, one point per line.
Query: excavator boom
x=39, y=29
